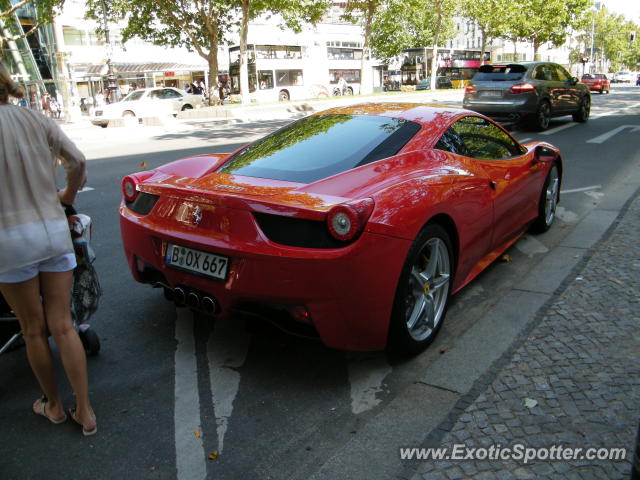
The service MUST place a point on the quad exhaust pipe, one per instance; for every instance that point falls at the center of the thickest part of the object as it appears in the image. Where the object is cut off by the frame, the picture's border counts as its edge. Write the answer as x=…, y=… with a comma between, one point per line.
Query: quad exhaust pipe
x=193, y=300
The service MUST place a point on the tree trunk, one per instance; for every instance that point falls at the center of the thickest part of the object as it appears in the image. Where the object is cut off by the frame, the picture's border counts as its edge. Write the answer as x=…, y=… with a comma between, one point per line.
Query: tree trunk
x=536, y=47
x=365, y=80
x=483, y=46
x=436, y=37
x=244, y=71
x=212, y=60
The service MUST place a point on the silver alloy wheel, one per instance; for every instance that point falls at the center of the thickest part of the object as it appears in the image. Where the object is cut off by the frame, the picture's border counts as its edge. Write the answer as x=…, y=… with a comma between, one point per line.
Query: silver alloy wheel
x=551, y=196
x=428, y=289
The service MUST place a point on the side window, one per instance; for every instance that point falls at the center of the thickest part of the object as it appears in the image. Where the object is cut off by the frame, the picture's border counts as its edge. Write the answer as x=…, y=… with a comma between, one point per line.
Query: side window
x=484, y=140
x=155, y=94
x=563, y=75
x=168, y=93
x=539, y=73
x=451, y=142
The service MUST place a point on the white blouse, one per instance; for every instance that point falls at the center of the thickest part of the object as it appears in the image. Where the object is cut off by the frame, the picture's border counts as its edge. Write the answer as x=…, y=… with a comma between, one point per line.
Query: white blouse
x=33, y=226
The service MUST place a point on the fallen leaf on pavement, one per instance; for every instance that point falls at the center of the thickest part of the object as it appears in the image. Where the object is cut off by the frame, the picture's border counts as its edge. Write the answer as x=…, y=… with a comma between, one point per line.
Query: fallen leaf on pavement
x=213, y=455
x=152, y=468
x=197, y=433
x=442, y=350
x=143, y=164
x=619, y=282
x=530, y=403
x=506, y=258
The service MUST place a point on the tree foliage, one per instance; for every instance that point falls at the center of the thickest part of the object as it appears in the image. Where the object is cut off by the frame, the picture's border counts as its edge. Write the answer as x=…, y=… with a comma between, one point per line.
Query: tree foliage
x=545, y=21
x=490, y=16
x=612, y=42
x=198, y=25
x=44, y=11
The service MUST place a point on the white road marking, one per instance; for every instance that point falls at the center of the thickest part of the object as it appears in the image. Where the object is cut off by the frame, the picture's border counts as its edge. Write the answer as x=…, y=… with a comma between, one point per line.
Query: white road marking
x=525, y=140
x=86, y=189
x=606, y=136
x=530, y=246
x=559, y=128
x=565, y=215
x=583, y=189
x=594, y=195
x=366, y=375
x=190, y=455
x=226, y=351
x=614, y=112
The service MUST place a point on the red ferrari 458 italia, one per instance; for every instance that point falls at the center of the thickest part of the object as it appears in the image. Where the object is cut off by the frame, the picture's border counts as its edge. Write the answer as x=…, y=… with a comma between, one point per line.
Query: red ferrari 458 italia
x=357, y=222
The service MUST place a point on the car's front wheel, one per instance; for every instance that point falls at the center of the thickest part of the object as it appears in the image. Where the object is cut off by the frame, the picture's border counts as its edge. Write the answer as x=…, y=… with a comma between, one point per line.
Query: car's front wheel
x=423, y=291
x=542, y=116
x=582, y=115
x=549, y=198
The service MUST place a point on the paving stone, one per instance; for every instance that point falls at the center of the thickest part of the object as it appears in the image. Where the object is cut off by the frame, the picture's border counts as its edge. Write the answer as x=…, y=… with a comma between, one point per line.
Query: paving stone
x=581, y=362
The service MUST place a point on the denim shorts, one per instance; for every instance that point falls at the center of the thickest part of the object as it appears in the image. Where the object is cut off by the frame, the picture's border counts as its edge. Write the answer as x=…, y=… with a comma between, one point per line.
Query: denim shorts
x=60, y=263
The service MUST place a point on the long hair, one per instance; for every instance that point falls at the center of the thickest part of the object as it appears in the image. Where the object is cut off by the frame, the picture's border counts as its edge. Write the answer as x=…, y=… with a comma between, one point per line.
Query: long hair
x=7, y=86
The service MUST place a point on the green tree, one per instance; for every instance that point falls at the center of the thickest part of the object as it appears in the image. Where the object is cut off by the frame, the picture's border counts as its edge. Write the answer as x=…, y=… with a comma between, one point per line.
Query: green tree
x=490, y=16
x=611, y=41
x=543, y=21
x=198, y=25
x=44, y=10
x=403, y=24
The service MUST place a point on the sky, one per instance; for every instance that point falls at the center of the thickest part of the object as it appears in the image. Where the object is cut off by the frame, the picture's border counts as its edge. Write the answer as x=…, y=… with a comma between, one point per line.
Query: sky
x=628, y=8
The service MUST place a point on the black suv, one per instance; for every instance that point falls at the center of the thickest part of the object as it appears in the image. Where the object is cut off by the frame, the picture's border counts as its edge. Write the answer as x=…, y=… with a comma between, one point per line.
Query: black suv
x=527, y=91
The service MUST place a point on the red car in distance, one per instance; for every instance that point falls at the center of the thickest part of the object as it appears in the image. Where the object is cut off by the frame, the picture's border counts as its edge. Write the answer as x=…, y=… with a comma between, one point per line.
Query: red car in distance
x=356, y=223
x=597, y=82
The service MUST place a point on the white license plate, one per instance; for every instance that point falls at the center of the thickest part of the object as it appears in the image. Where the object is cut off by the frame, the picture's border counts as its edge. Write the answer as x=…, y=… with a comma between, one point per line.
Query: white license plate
x=196, y=261
x=490, y=93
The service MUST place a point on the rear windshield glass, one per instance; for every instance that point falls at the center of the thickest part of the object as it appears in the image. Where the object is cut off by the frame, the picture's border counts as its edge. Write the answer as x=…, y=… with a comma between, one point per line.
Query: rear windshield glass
x=586, y=77
x=498, y=73
x=319, y=146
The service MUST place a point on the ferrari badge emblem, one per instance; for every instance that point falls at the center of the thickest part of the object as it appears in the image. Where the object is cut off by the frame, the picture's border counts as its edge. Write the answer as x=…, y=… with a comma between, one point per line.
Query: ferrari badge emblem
x=196, y=216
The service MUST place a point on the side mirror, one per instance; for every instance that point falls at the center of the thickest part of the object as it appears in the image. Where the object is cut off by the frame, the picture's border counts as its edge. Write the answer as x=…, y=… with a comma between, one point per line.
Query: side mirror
x=543, y=154
x=574, y=80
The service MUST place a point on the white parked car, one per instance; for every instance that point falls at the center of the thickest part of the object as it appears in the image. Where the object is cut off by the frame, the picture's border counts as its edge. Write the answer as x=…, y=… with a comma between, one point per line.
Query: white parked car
x=623, y=77
x=147, y=102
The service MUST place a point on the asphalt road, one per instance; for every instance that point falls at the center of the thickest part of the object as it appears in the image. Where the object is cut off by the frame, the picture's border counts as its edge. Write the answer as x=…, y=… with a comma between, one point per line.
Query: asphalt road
x=170, y=389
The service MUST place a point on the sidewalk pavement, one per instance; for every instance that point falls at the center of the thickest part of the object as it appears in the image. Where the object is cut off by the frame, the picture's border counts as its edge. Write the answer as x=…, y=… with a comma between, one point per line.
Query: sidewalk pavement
x=572, y=378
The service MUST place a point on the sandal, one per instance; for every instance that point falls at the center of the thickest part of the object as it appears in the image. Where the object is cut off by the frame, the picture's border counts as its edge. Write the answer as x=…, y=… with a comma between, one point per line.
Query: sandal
x=85, y=432
x=40, y=408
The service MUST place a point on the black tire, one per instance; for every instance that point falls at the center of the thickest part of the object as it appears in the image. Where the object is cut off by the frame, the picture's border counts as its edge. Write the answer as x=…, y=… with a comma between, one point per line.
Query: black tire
x=548, y=201
x=283, y=96
x=90, y=340
x=104, y=125
x=582, y=115
x=407, y=340
x=349, y=91
x=128, y=114
x=186, y=107
x=541, y=119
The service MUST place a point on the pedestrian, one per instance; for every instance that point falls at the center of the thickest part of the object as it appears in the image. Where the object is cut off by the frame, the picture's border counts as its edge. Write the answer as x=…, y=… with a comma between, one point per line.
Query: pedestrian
x=36, y=258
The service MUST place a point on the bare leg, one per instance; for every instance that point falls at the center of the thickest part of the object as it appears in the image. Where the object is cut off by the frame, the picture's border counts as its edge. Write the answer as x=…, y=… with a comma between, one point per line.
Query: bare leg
x=24, y=299
x=56, y=298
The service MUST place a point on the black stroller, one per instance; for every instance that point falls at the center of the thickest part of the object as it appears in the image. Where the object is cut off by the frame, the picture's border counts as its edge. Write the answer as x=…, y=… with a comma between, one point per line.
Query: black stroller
x=85, y=294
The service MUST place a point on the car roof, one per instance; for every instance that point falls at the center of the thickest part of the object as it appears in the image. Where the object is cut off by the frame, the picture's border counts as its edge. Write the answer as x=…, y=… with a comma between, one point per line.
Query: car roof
x=422, y=113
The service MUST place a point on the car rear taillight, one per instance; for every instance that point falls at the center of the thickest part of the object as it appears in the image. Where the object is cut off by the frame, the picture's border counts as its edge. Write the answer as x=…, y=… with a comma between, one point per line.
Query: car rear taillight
x=347, y=220
x=470, y=89
x=130, y=185
x=522, y=88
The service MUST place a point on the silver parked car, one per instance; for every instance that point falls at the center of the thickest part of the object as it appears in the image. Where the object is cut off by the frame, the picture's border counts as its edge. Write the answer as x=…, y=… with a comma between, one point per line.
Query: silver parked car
x=531, y=92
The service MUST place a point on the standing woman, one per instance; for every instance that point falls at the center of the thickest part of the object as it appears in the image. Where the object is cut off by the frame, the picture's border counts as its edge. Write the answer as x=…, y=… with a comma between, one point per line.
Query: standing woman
x=36, y=258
